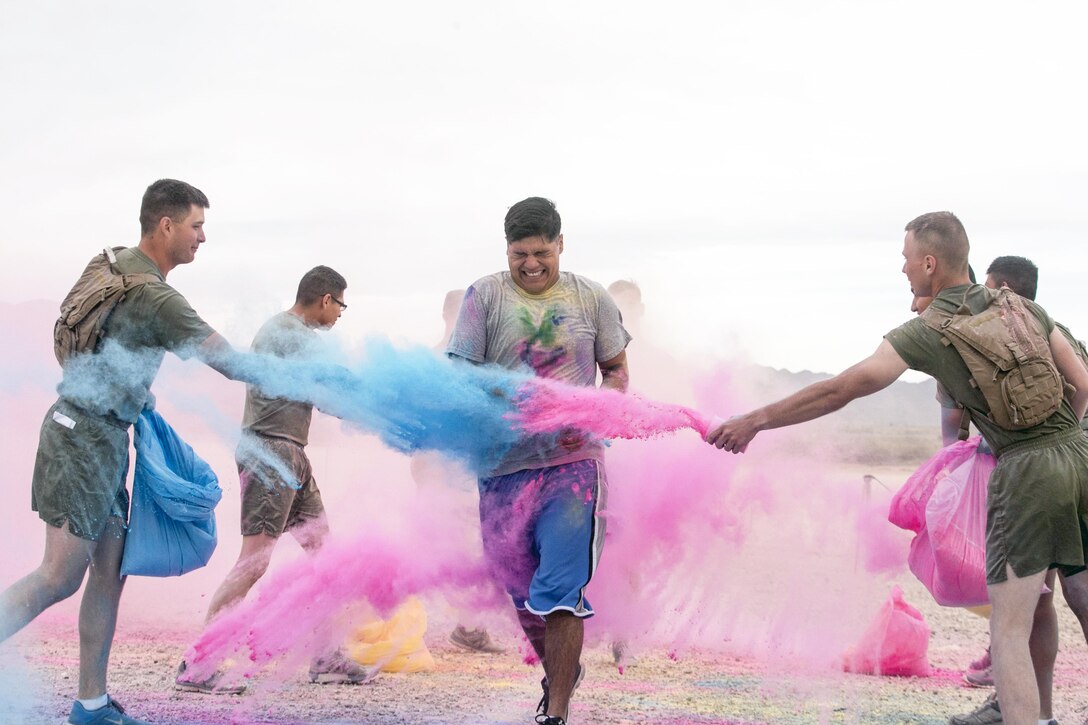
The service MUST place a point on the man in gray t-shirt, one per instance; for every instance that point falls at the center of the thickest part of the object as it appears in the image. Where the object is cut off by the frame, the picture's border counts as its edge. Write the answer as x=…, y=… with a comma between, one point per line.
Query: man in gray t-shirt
x=82, y=460
x=279, y=492
x=540, y=507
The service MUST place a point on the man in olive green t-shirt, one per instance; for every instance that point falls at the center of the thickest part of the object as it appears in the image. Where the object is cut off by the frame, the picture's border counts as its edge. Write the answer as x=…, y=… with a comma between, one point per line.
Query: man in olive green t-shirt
x=78, y=487
x=279, y=492
x=1038, y=502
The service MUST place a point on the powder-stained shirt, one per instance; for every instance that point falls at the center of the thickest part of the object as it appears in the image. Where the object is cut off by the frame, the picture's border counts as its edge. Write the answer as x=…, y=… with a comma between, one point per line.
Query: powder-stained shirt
x=921, y=348
x=562, y=333
x=287, y=336
x=115, y=380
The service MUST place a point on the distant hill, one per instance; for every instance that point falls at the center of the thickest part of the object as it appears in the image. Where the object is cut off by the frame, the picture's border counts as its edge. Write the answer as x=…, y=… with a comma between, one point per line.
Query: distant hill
x=898, y=425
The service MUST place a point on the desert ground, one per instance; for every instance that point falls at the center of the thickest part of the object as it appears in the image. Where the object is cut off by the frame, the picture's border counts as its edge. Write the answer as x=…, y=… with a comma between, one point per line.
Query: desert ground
x=658, y=686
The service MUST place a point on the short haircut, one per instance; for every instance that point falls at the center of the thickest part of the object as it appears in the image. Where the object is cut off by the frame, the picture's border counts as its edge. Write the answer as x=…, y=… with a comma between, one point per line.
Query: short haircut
x=625, y=287
x=451, y=305
x=1017, y=273
x=168, y=197
x=532, y=217
x=317, y=283
x=941, y=234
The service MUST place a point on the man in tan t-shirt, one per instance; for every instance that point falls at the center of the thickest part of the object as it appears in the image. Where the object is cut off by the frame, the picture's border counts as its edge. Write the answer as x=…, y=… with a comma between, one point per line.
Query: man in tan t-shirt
x=279, y=493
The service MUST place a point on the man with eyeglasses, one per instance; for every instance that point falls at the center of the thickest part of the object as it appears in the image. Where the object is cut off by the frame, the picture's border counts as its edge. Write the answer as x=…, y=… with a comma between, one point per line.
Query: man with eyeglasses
x=279, y=493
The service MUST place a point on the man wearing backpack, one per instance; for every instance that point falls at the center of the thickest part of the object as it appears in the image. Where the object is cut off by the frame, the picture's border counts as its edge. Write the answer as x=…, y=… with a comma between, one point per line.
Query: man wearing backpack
x=82, y=460
x=1020, y=275
x=1038, y=502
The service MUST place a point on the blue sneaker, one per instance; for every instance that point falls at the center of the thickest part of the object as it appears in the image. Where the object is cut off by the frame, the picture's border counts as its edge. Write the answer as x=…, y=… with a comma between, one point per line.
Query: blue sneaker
x=111, y=714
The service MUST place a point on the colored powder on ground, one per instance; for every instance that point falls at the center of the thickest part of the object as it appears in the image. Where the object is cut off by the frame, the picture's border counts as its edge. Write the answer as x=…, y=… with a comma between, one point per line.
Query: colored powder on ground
x=305, y=607
x=895, y=643
x=548, y=406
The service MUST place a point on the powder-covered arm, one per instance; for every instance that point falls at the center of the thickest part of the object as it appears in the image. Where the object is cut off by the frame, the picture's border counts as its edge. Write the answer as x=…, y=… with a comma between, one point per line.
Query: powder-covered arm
x=874, y=373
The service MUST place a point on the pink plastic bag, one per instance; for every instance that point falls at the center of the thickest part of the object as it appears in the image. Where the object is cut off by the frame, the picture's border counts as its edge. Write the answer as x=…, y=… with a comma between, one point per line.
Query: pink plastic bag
x=908, y=506
x=956, y=521
x=944, y=502
x=895, y=643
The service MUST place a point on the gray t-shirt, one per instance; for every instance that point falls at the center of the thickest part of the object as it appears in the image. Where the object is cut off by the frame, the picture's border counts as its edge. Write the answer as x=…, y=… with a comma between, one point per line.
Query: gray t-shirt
x=115, y=381
x=561, y=334
x=287, y=336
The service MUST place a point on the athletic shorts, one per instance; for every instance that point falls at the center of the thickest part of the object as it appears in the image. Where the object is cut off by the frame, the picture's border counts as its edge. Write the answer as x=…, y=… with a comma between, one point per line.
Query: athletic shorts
x=1037, y=507
x=543, y=532
x=80, y=470
x=278, y=487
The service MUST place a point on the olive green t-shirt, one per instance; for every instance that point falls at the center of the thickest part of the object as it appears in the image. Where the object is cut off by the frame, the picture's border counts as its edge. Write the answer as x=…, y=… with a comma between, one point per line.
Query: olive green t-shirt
x=921, y=348
x=115, y=380
x=1082, y=354
x=287, y=336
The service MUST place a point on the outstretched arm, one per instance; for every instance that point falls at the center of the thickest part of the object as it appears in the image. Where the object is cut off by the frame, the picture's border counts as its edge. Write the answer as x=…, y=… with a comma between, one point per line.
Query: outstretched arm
x=219, y=355
x=874, y=373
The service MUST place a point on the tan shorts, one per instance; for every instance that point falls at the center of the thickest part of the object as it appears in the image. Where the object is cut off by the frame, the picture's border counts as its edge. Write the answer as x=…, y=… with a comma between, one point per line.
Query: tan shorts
x=79, y=471
x=1037, y=507
x=278, y=487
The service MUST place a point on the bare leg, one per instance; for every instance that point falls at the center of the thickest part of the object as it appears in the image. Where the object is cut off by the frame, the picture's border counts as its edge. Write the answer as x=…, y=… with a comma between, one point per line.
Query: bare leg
x=533, y=626
x=1014, y=603
x=311, y=535
x=1075, y=589
x=563, y=643
x=98, y=610
x=56, y=578
x=1043, y=645
x=251, y=565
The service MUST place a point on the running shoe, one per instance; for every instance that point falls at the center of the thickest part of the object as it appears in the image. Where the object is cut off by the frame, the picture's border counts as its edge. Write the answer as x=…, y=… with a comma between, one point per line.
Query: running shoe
x=989, y=713
x=337, y=669
x=474, y=640
x=210, y=685
x=110, y=714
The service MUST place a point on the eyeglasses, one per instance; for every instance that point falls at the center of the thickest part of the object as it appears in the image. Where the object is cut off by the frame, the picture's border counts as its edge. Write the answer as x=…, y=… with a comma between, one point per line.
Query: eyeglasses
x=342, y=305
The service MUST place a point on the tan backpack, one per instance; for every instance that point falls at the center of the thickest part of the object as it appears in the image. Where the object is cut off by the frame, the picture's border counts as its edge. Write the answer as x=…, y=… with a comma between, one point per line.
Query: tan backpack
x=85, y=310
x=1008, y=354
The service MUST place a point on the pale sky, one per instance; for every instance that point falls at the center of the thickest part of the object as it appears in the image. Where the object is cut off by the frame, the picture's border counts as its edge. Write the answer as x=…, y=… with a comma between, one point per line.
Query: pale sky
x=750, y=164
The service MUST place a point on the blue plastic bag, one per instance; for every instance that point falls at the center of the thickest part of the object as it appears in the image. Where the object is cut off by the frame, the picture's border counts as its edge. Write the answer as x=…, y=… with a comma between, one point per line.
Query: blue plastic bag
x=174, y=494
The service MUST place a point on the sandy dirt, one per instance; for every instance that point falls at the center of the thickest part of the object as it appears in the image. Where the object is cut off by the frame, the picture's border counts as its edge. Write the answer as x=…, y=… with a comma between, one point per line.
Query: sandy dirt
x=695, y=686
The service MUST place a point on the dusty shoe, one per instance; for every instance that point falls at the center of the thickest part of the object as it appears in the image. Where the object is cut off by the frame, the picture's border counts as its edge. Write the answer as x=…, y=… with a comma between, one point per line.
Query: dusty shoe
x=979, y=678
x=979, y=673
x=545, y=720
x=989, y=713
x=337, y=669
x=111, y=714
x=982, y=663
x=211, y=685
x=474, y=640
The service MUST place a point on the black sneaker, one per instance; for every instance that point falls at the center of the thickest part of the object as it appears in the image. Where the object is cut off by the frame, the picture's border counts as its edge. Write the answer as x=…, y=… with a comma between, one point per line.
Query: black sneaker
x=542, y=706
x=554, y=720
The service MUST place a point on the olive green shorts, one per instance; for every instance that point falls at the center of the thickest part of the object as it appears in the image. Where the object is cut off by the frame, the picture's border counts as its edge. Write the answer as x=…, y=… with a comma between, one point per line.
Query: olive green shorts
x=278, y=487
x=1037, y=509
x=79, y=471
